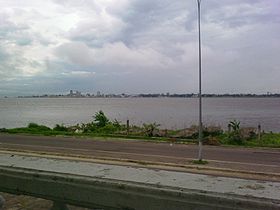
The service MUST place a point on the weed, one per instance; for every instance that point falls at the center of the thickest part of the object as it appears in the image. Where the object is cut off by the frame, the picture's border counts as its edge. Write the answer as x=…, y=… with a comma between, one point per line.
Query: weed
x=200, y=162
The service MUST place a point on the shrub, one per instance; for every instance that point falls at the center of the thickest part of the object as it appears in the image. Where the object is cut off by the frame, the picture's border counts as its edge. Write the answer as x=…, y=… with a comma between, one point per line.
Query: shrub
x=210, y=140
x=108, y=129
x=34, y=126
x=248, y=133
x=88, y=127
x=3, y=130
x=234, y=137
x=212, y=131
x=149, y=129
x=117, y=124
x=60, y=128
x=133, y=130
x=100, y=119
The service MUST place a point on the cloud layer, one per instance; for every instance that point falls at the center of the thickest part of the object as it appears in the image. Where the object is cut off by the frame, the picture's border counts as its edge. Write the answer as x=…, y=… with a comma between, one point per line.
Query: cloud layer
x=136, y=46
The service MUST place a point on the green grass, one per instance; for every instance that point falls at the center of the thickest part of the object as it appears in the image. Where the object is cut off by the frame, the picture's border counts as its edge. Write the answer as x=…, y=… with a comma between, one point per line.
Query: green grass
x=200, y=162
x=103, y=133
x=267, y=140
x=36, y=131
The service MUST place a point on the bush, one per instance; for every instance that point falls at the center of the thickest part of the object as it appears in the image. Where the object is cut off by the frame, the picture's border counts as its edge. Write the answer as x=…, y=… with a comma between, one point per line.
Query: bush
x=213, y=131
x=248, y=133
x=108, y=129
x=60, y=128
x=234, y=136
x=3, y=130
x=149, y=129
x=117, y=124
x=88, y=127
x=210, y=140
x=34, y=126
x=207, y=131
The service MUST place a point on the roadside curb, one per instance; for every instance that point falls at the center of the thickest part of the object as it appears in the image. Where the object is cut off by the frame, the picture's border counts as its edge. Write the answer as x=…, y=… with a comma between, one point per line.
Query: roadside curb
x=188, y=167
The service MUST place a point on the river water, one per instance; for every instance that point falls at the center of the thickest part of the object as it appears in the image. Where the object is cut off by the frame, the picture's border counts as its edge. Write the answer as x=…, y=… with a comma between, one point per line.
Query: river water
x=171, y=113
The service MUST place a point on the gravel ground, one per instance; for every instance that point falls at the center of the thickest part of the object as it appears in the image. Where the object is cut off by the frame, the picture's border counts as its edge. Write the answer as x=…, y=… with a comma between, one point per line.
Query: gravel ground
x=20, y=202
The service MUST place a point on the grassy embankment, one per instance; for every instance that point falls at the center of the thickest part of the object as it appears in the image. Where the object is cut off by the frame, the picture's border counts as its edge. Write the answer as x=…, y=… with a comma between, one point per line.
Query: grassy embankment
x=101, y=126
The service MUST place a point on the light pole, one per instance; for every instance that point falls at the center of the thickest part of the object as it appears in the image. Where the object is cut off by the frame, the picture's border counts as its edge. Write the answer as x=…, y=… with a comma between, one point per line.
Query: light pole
x=199, y=95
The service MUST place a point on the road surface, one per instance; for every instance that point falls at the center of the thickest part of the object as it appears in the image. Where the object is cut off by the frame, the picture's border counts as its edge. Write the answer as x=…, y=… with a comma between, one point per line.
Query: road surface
x=255, y=160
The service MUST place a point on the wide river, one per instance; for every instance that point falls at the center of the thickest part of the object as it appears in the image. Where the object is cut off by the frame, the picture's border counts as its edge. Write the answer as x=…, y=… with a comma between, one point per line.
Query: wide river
x=172, y=113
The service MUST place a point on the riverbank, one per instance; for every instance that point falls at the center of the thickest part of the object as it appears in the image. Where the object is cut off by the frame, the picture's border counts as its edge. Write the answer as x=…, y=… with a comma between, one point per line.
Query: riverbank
x=101, y=126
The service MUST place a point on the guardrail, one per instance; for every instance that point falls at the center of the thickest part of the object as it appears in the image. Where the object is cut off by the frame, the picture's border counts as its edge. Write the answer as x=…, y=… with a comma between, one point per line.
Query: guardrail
x=99, y=193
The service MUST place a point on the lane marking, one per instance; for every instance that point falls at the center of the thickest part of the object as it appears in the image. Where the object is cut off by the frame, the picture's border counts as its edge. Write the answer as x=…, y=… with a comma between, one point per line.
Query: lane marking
x=140, y=154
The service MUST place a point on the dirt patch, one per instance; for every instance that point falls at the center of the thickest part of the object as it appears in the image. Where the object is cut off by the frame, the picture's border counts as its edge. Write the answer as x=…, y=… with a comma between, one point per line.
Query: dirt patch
x=21, y=202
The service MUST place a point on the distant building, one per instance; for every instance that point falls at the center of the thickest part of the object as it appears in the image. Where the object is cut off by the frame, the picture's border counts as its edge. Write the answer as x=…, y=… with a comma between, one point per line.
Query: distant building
x=71, y=93
x=75, y=94
x=78, y=94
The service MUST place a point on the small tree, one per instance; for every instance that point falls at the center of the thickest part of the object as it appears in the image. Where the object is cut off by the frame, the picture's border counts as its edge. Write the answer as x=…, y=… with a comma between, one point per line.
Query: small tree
x=235, y=125
x=100, y=119
x=234, y=135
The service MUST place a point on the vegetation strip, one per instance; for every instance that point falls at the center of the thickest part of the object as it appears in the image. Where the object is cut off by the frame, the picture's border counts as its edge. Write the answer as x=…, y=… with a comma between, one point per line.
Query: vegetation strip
x=101, y=126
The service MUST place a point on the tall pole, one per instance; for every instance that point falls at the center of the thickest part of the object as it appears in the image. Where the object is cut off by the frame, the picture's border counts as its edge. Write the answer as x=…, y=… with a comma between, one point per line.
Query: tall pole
x=200, y=97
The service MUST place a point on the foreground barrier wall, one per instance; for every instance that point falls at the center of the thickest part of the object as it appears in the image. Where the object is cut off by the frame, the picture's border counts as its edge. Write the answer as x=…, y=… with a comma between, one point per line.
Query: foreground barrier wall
x=103, y=186
x=110, y=194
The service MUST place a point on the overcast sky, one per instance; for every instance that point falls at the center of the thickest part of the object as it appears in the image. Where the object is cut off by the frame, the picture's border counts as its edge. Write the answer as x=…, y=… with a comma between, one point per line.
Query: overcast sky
x=138, y=46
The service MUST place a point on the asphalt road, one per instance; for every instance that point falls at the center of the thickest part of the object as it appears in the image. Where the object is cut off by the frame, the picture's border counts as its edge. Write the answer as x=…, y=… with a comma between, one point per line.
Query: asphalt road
x=259, y=160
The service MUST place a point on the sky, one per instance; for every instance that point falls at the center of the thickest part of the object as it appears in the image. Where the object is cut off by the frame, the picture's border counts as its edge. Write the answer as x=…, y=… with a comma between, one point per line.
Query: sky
x=138, y=46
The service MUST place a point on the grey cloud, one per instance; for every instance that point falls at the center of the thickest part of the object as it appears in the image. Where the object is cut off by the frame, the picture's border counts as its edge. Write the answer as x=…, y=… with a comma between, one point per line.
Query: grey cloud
x=24, y=41
x=152, y=42
x=94, y=35
x=76, y=53
x=8, y=65
x=153, y=20
x=8, y=28
x=239, y=13
x=19, y=34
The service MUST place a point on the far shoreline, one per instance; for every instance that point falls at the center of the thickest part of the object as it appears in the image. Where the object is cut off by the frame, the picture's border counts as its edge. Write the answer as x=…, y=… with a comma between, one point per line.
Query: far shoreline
x=135, y=97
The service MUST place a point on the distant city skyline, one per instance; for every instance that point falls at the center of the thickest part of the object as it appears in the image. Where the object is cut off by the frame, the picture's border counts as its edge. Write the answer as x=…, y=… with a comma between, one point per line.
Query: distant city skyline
x=138, y=46
x=98, y=94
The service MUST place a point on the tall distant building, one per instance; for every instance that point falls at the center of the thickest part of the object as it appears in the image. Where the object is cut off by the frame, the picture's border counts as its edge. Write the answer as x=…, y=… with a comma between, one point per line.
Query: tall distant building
x=98, y=94
x=71, y=93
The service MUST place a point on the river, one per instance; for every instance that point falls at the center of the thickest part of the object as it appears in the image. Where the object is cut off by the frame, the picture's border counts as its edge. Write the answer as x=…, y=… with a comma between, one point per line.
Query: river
x=171, y=113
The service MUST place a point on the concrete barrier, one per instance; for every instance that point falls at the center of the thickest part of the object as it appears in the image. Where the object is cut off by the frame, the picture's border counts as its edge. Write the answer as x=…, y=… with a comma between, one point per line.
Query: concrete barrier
x=118, y=187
